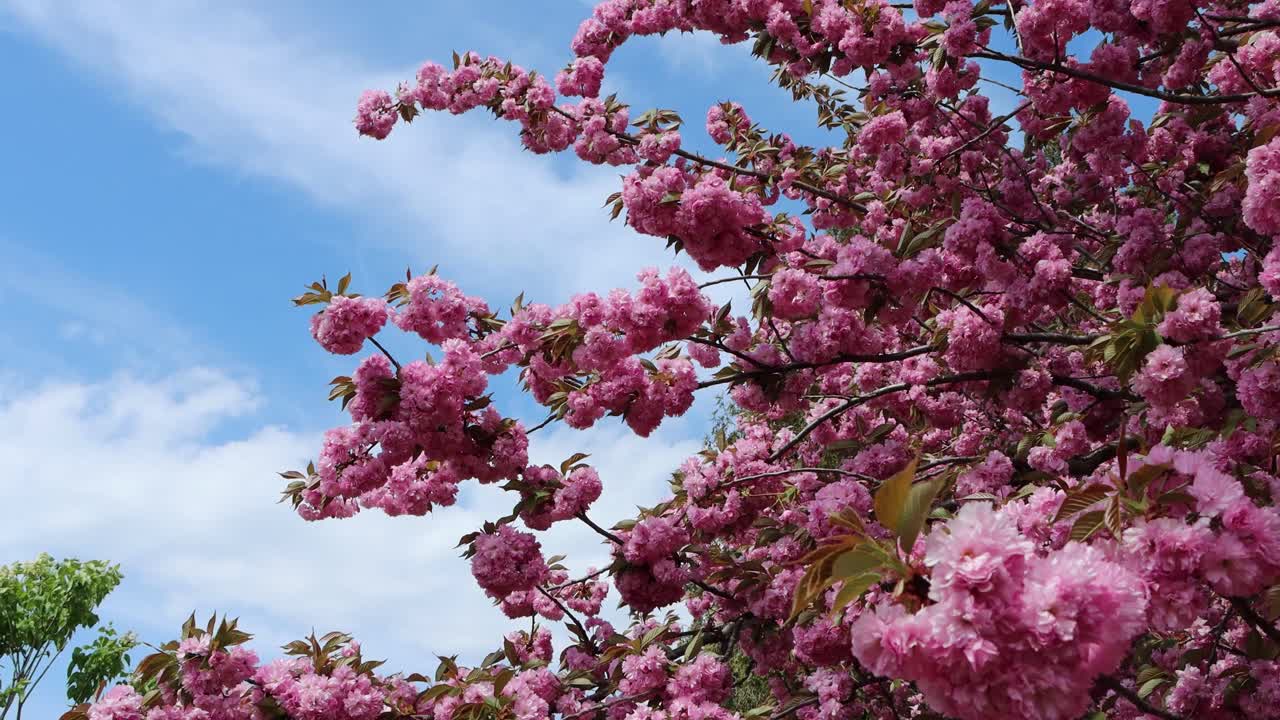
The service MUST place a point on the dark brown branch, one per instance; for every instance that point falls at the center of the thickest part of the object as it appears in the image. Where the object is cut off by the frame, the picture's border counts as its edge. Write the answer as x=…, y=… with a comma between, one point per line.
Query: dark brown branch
x=384, y=352
x=880, y=392
x=582, y=630
x=1085, y=464
x=830, y=278
x=1252, y=617
x=995, y=124
x=1055, y=338
x=776, y=473
x=607, y=705
x=1091, y=389
x=605, y=533
x=1110, y=683
x=773, y=370
x=713, y=590
x=1176, y=98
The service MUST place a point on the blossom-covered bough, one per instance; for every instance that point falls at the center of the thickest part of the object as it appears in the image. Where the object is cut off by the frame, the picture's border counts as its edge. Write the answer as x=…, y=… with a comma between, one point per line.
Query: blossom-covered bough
x=1006, y=419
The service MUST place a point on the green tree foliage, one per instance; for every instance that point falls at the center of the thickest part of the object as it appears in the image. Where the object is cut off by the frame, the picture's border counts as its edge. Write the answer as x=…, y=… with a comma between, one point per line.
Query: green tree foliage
x=42, y=605
x=750, y=689
x=97, y=663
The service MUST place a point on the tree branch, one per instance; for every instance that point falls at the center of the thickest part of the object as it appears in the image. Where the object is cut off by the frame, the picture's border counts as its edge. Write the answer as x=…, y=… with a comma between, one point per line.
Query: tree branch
x=880, y=392
x=582, y=630
x=605, y=533
x=773, y=370
x=1110, y=683
x=1176, y=98
x=1252, y=617
x=384, y=352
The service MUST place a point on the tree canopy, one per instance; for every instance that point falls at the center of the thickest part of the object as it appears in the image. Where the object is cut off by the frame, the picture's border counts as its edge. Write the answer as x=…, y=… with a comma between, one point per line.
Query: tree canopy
x=43, y=603
x=1005, y=386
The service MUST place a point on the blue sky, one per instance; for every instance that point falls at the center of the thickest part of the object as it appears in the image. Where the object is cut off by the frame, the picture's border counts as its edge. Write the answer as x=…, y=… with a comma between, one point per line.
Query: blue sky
x=173, y=174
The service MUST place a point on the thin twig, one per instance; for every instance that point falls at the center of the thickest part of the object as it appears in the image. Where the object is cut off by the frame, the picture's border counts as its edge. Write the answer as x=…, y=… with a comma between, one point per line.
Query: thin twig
x=584, y=578
x=495, y=351
x=789, y=710
x=384, y=352
x=1110, y=683
x=880, y=392
x=540, y=425
x=995, y=124
x=848, y=358
x=582, y=630
x=959, y=299
x=1250, y=331
x=735, y=278
x=1176, y=98
x=605, y=533
x=1252, y=617
x=607, y=705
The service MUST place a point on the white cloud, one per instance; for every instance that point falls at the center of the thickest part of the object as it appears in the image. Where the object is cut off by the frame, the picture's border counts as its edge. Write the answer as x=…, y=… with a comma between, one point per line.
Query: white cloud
x=700, y=51
x=256, y=95
x=151, y=475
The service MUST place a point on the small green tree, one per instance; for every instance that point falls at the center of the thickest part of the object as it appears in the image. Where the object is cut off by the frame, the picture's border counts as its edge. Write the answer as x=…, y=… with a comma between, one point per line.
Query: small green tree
x=42, y=605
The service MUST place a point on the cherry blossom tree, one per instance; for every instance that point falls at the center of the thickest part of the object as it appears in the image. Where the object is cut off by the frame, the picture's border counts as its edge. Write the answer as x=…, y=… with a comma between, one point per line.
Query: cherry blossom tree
x=1005, y=418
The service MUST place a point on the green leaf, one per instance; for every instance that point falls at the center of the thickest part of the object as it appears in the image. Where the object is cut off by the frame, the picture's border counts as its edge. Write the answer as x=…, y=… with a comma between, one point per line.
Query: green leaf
x=1112, y=516
x=891, y=498
x=573, y=460
x=652, y=635
x=853, y=589
x=902, y=505
x=1079, y=500
x=919, y=502
x=1149, y=672
x=1271, y=602
x=1086, y=525
x=866, y=556
x=694, y=646
x=904, y=240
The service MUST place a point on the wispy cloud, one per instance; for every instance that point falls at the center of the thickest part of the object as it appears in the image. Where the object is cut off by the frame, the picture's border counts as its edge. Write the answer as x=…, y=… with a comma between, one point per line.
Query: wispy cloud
x=256, y=95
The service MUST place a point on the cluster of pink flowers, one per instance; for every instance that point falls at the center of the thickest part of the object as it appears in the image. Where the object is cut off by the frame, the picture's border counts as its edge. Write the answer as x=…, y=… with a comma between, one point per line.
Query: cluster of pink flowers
x=418, y=433
x=507, y=561
x=228, y=683
x=602, y=338
x=712, y=220
x=344, y=325
x=1261, y=204
x=437, y=310
x=555, y=497
x=1010, y=633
